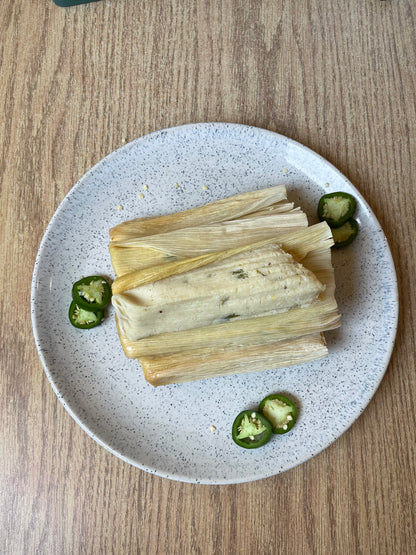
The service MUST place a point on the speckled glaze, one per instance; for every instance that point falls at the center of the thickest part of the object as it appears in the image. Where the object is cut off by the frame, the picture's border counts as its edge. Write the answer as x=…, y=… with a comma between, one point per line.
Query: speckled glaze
x=167, y=430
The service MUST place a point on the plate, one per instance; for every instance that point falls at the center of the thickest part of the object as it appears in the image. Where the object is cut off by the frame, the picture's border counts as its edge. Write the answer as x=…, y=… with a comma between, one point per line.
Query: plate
x=168, y=430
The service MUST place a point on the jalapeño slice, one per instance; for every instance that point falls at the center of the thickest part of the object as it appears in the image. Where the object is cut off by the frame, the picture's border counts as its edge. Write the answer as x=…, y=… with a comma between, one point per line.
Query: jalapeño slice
x=92, y=293
x=345, y=234
x=83, y=318
x=251, y=429
x=280, y=411
x=336, y=208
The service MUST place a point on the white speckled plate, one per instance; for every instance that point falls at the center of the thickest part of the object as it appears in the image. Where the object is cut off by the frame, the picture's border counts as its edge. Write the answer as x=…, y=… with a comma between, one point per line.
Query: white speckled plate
x=166, y=430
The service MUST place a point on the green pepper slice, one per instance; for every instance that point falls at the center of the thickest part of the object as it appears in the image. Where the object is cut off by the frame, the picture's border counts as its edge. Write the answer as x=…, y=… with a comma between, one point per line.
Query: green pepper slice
x=251, y=429
x=280, y=411
x=83, y=318
x=345, y=234
x=92, y=292
x=336, y=208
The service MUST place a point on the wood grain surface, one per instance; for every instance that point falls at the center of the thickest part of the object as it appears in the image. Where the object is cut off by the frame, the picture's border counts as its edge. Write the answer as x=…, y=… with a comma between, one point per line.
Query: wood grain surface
x=76, y=83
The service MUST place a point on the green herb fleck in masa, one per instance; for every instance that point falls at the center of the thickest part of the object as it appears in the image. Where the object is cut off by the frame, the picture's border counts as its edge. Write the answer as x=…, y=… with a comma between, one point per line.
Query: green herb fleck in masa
x=240, y=273
x=231, y=316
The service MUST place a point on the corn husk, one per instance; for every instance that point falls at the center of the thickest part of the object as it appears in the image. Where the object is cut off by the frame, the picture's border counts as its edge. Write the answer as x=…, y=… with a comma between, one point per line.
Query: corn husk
x=199, y=364
x=143, y=252
x=226, y=209
x=319, y=262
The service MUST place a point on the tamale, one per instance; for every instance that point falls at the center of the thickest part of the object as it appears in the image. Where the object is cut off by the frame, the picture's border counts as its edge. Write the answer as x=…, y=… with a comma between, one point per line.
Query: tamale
x=226, y=325
x=297, y=243
x=137, y=278
x=259, y=282
x=318, y=317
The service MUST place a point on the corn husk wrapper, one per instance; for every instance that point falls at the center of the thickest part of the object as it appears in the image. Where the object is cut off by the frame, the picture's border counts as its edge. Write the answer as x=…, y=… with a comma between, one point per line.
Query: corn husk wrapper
x=230, y=208
x=204, y=363
x=142, y=252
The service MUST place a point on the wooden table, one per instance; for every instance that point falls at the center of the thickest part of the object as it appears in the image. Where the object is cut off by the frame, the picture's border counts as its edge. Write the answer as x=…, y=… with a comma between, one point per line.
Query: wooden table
x=76, y=83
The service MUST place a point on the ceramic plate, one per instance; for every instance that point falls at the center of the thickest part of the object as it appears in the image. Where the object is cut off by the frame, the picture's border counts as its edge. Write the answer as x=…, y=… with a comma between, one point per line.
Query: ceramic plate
x=167, y=430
